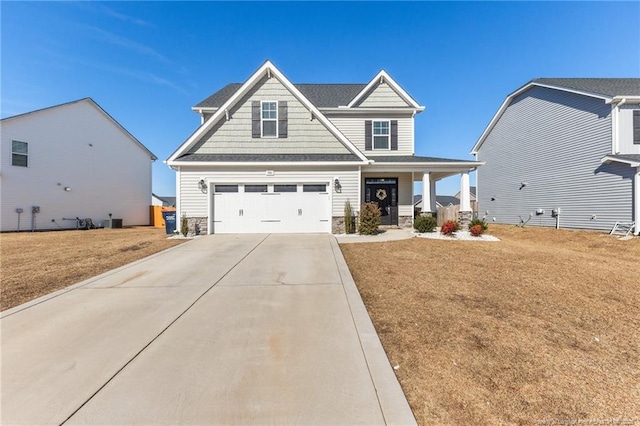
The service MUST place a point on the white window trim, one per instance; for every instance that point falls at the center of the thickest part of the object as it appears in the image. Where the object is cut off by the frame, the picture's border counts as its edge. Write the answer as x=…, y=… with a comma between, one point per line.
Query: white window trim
x=373, y=136
x=19, y=153
x=262, y=120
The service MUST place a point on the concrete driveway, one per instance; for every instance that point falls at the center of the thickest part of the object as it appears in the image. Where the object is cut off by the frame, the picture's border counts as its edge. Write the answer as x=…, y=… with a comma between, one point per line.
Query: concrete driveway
x=224, y=329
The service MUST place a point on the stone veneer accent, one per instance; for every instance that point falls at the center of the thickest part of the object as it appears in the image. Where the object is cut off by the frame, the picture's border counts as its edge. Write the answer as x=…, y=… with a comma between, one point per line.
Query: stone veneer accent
x=465, y=218
x=197, y=226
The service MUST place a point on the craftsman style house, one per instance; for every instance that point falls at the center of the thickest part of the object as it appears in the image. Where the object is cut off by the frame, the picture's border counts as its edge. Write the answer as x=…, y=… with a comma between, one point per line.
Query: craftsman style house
x=564, y=152
x=273, y=156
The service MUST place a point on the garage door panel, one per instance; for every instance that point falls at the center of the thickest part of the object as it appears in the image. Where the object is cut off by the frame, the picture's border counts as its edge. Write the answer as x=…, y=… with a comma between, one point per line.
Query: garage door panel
x=272, y=212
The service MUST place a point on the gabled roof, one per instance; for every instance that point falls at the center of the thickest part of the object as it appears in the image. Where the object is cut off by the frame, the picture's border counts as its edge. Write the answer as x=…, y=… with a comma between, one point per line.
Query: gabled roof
x=266, y=69
x=95, y=105
x=321, y=95
x=382, y=76
x=607, y=89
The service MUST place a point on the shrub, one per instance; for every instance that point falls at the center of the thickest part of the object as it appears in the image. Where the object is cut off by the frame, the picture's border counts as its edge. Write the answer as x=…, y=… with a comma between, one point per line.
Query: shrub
x=476, y=230
x=184, y=225
x=425, y=223
x=480, y=222
x=369, y=219
x=449, y=227
x=349, y=219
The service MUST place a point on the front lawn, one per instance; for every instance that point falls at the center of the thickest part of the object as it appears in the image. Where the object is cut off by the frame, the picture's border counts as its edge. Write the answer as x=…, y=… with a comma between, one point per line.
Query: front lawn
x=541, y=327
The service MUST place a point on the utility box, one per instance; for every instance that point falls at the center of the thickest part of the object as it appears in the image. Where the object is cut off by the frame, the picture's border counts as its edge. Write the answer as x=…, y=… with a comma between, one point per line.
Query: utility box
x=113, y=223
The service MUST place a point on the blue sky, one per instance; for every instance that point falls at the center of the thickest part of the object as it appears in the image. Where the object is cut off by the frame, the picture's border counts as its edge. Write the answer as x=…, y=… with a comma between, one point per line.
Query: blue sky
x=148, y=63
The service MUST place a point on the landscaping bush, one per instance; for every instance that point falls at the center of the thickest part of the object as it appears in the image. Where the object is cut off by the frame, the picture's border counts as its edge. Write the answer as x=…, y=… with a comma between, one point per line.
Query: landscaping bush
x=449, y=227
x=184, y=225
x=369, y=219
x=349, y=219
x=476, y=230
x=480, y=222
x=425, y=223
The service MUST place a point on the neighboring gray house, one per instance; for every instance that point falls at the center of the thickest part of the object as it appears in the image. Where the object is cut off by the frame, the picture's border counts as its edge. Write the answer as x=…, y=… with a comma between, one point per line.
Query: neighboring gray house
x=569, y=146
x=273, y=156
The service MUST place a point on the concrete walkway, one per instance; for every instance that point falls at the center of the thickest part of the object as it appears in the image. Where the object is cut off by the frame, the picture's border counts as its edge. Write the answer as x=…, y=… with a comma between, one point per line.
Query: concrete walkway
x=228, y=329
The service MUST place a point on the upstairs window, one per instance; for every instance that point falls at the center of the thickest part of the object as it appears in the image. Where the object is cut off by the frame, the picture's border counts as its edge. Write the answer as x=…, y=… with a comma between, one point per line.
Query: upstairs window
x=269, y=119
x=381, y=135
x=636, y=127
x=19, y=153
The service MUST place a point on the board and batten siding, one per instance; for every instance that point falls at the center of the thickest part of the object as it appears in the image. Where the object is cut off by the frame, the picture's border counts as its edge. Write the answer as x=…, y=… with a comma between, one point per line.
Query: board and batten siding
x=625, y=126
x=194, y=203
x=405, y=187
x=353, y=129
x=78, y=147
x=382, y=96
x=552, y=142
x=305, y=135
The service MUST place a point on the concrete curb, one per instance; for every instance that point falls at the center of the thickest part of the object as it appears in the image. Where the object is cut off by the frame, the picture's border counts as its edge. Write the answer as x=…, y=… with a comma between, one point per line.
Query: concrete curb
x=57, y=293
x=393, y=402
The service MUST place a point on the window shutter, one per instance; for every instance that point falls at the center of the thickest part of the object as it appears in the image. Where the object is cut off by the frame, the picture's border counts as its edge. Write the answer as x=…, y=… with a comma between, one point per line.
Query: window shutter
x=636, y=127
x=394, y=135
x=255, y=119
x=282, y=119
x=367, y=135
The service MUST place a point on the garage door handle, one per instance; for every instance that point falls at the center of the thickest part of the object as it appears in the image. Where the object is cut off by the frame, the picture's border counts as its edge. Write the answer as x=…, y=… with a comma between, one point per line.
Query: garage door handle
x=299, y=212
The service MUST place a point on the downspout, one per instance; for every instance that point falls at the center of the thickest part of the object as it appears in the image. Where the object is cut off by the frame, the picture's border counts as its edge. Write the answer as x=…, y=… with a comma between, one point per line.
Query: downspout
x=636, y=196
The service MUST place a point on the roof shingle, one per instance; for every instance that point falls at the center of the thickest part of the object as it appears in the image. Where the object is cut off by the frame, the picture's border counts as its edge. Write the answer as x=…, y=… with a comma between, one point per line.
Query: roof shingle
x=609, y=87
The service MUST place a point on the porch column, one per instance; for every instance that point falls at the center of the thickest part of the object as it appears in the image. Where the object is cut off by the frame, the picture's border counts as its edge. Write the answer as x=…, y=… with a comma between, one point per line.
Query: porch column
x=432, y=194
x=428, y=197
x=465, y=195
x=465, y=214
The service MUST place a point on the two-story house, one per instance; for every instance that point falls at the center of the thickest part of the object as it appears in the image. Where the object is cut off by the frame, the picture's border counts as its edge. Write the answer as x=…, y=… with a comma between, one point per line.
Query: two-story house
x=563, y=152
x=273, y=156
x=70, y=161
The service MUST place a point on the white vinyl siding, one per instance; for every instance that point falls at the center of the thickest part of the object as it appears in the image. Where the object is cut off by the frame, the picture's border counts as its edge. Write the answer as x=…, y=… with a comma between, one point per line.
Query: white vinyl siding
x=554, y=141
x=304, y=134
x=79, y=147
x=194, y=203
x=382, y=95
x=353, y=129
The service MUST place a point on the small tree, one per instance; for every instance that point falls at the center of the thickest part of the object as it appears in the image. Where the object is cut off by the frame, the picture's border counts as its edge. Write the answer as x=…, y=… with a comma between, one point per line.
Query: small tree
x=184, y=225
x=349, y=219
x=369, y=219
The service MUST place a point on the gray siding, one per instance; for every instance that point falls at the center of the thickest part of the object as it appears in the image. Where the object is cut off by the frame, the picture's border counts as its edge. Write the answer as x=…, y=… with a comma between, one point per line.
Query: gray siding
x=553, y=141
x=195, y=204
x=353, y=128
x=305, y=136
x=382, y=96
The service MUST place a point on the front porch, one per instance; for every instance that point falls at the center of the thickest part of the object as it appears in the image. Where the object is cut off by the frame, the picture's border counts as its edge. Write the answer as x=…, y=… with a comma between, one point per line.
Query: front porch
x=389, y=182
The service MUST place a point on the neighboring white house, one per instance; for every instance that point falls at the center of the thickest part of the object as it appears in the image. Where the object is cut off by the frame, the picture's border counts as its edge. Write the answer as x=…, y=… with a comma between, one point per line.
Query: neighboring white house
x=272, y=156
x=563, y=152
x=71, y=161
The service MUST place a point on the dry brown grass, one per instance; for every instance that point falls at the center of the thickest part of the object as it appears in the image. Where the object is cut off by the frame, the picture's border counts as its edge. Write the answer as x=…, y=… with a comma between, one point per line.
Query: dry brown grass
x=543, y=326
x=38, y=263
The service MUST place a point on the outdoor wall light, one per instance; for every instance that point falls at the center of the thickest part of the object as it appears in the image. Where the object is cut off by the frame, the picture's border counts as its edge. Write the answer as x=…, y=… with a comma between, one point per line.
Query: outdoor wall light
x=68, y=189
x=336, y=185
x=202, y=184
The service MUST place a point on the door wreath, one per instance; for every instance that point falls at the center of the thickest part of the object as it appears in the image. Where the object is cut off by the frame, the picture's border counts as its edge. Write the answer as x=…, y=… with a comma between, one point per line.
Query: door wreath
x=381, y=194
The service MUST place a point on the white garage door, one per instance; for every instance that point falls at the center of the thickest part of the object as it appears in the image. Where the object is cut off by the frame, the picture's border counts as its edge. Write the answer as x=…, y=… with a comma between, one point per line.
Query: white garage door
x=270, y=208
